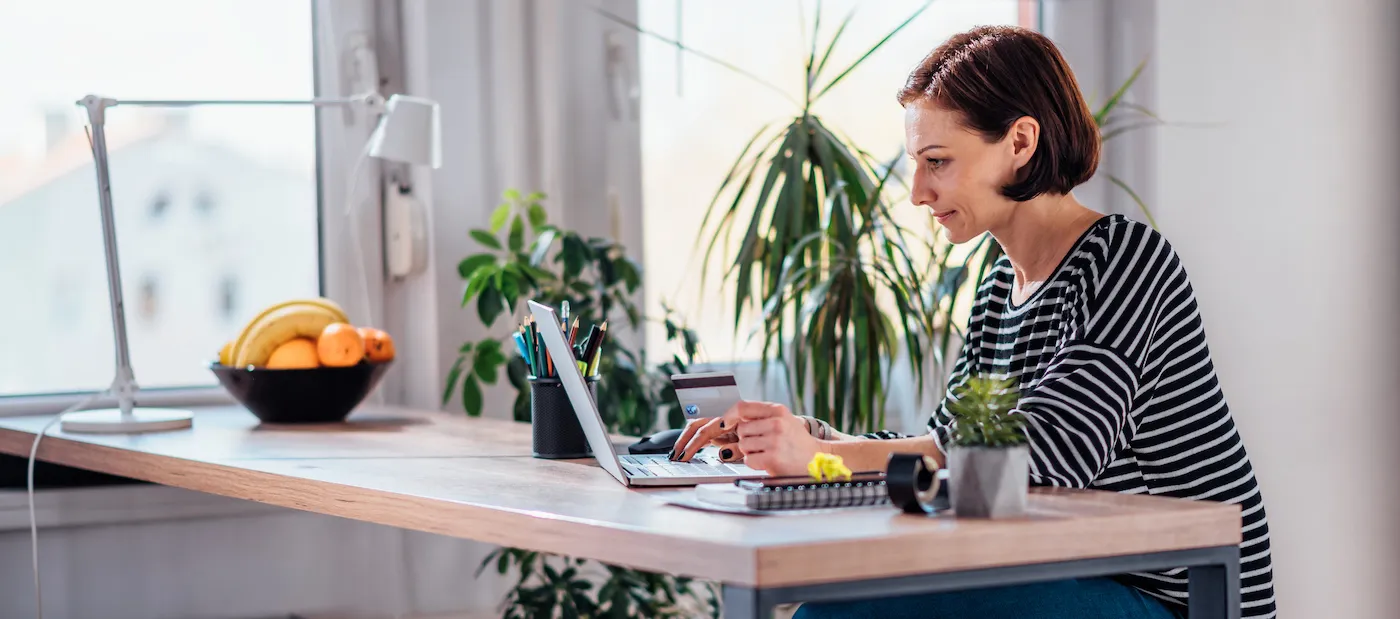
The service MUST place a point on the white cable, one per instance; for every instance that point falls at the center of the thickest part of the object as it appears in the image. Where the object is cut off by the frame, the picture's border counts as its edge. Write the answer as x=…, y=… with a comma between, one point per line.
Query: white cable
x=29, y=490
x=357, y=248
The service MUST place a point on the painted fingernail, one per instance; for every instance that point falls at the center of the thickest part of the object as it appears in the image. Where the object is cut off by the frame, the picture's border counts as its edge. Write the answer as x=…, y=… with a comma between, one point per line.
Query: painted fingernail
x=721, y=424
x=726, y=454
x=672, y=455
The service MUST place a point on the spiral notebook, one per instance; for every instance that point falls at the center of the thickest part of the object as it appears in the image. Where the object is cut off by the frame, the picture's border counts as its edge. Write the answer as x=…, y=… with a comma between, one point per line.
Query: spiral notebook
x=770, y=494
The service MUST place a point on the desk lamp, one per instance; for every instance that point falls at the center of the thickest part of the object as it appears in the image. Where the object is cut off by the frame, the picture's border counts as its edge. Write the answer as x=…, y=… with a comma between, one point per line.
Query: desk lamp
x=407, y=132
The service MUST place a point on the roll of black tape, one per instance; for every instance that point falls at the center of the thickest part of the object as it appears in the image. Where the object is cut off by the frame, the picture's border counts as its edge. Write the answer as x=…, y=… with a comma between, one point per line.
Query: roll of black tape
x=913, y=484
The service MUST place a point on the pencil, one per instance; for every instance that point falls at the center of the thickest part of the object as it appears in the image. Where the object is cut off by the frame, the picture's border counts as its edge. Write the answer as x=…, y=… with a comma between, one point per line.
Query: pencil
x=598, y=350
x=573, y=332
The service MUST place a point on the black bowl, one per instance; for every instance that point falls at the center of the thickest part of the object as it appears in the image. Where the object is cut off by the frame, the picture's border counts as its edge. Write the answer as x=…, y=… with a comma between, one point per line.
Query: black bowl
x=316, y=395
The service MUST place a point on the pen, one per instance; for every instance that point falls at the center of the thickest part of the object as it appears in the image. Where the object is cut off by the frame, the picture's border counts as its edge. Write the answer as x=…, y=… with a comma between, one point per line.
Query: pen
x=590, y=343
x=520, y=344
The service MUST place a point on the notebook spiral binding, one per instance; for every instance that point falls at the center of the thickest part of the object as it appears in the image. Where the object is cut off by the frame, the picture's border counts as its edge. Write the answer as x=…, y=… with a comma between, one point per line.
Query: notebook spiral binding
x=819, y=495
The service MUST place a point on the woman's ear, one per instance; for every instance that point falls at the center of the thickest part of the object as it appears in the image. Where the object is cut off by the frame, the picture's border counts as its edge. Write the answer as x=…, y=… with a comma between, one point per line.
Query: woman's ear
x=1023, y=136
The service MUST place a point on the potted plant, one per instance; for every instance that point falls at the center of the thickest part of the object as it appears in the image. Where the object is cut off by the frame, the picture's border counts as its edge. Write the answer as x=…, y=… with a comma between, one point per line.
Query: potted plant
x=988, y=454
x=526, y=257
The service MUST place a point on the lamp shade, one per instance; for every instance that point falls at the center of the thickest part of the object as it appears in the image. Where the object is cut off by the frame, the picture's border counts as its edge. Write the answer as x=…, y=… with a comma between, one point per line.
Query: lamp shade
x=408, y=132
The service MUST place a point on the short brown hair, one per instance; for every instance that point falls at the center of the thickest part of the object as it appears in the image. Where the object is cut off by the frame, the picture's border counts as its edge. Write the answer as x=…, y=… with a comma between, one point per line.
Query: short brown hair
x=993, y=75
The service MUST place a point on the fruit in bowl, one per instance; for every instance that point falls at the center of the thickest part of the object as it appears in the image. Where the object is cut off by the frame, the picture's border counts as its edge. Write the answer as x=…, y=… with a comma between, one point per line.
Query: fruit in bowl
x=303, y=361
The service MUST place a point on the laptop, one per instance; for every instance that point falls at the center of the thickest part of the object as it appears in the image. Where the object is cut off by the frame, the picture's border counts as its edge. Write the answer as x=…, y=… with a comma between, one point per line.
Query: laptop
x=630, y=469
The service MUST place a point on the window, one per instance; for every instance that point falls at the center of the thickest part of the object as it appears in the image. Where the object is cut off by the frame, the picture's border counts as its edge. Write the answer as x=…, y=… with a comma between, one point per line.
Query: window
x=697, y=116
x=263, y=159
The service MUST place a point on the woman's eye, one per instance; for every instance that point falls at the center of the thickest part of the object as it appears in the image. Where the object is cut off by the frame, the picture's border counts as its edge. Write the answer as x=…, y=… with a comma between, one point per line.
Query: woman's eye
x=937, y=163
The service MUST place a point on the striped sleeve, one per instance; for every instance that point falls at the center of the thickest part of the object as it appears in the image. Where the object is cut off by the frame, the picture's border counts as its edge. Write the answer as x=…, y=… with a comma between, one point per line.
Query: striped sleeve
x=1076, y=413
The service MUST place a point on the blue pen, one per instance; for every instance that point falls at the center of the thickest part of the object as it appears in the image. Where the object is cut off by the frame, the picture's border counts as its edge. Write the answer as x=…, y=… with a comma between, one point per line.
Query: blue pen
x=524, y=353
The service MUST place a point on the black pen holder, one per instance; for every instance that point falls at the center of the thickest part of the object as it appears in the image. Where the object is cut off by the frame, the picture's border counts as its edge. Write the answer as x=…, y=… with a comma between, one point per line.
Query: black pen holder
x=555, y=426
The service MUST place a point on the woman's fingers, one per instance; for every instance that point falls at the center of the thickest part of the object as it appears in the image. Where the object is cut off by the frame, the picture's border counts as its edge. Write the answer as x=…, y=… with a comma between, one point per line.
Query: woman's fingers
x=750, y=411
x=731, y=452
x=689, y=432
x=702, y=437
x=758, y=428
x=725, y=439
x=757, y=443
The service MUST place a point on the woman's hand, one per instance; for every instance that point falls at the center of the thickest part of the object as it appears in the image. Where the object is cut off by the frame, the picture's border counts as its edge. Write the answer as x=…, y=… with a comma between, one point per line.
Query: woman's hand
x=774, y=440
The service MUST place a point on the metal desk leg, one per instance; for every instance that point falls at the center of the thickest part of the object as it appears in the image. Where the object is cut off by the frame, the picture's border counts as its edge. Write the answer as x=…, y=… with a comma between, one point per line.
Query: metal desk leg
x=746, y=603
x=1214, y=588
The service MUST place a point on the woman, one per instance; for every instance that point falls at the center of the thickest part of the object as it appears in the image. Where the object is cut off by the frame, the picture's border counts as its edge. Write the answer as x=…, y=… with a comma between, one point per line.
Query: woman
x=1092, y=315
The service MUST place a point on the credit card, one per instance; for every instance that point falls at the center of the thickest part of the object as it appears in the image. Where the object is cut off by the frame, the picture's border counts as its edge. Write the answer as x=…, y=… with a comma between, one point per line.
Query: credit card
x=706, y=394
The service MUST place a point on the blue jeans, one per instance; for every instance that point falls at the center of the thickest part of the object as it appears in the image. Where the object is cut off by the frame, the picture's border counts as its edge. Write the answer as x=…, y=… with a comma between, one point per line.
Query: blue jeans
x=1084, y=598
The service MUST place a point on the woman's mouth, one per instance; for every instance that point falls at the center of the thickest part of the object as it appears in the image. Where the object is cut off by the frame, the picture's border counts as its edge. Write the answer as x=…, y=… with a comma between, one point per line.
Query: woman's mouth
x=944, y=216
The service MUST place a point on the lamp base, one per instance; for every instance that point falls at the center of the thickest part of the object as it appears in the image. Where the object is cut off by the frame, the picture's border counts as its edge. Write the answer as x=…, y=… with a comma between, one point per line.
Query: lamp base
x=112, y=421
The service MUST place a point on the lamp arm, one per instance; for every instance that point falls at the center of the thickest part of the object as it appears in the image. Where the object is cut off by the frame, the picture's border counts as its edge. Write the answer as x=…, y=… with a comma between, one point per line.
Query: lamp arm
x=124, y=383
x=372, y=100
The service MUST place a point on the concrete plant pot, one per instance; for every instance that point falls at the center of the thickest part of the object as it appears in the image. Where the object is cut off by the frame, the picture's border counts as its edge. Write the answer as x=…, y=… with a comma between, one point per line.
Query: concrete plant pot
x=989, y=482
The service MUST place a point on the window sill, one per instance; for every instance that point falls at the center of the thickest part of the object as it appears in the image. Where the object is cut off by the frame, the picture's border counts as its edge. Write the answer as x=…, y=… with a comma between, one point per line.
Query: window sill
x=85, y=507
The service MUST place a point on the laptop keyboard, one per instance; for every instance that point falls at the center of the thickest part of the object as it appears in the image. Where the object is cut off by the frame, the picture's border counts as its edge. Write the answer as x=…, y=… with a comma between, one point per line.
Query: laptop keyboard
x=662, y=466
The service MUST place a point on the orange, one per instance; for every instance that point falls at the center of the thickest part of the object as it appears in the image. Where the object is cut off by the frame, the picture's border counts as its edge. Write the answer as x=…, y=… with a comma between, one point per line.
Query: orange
x=340, y=345
x=379, y=347
x=297, y=353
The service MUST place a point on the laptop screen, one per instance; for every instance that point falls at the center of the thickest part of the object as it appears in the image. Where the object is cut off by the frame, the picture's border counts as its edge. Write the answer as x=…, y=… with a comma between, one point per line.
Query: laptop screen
x=572, y=379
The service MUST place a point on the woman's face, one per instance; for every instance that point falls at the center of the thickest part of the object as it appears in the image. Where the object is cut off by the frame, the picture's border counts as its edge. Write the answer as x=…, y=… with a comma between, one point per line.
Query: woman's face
x=957, y=174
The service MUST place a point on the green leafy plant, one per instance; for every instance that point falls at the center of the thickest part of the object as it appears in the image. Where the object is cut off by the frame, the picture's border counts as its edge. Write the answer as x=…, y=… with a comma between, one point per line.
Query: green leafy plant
x=983, y=414
x=828, y=271
x=529, y=258
x=548, y=586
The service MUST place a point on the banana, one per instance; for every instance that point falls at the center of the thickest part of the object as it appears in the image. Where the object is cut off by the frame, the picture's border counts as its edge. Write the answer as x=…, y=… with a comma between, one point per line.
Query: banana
x=322, y=302
x=226, y=353
x=279, y=327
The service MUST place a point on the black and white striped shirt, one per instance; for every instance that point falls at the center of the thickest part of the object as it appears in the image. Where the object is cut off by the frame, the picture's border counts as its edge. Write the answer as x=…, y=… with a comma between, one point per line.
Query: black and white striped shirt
x=1118, y=388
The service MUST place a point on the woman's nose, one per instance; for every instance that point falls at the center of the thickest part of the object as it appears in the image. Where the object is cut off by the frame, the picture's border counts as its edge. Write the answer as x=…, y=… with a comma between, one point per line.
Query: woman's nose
x=921, y=194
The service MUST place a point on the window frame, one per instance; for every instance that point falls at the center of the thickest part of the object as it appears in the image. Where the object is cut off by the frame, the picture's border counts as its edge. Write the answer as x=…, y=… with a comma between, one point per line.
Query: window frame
x=344, y=33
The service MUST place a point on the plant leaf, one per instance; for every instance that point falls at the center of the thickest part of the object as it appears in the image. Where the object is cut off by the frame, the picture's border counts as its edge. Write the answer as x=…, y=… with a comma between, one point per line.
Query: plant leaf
x=1102, y=115
x=468, y=266
x=537, y=215
x=485, y=239
x=698, y=53
x=488, y=306
x=836, y=80
x=542, y=244
x=499, y=216
x=453, y=375
x=485, y=367
x=832, y=45
x=1133, y=194
x=517, y=234
x=471, y=396
x=1117, y=131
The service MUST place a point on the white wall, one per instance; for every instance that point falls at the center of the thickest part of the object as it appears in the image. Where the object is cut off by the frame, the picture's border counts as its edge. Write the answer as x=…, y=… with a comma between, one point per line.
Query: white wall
x=1280, y=209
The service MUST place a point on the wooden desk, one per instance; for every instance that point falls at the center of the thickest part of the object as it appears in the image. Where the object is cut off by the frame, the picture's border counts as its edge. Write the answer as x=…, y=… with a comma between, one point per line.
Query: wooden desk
x=475, y=479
